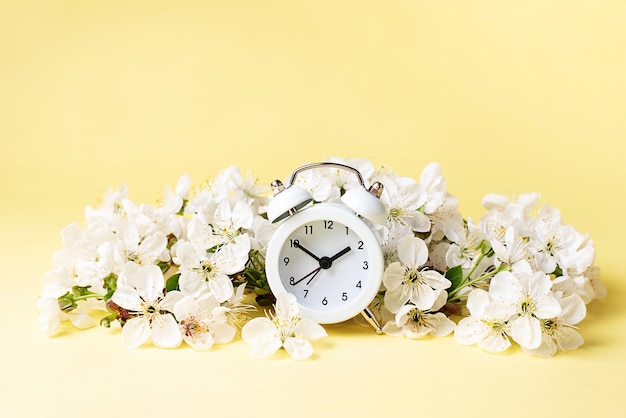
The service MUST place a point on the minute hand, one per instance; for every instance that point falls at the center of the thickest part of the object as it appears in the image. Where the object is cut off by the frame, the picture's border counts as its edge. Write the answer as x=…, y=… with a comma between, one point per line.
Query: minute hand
x=297, y=244
x=313, y=274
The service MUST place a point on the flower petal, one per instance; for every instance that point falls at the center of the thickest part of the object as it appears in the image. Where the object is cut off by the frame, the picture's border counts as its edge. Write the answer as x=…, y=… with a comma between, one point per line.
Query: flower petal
x=435, y=279
x=185, y=308
x=232, y=257
x=547, y=307
x=150, y=282
x=309, y=329
x=165, y=332
x=201, y=342
x=390, y=328
x=568, y=338
x=265, y=347
x=505, y=285
x=222, y=333
x=136, y=331
x=286, y=306
x=298, y=348
x=500, y=309
x=476, y=302
x=171, y=299
x=128, y=275
x=50, y=315
x=526, y=331
x=395, y=299
x=573, y=309
x=192, y=284
x=470, y=331
x=546, y=349
x=412, y=251
x=424, y=298
x=257, y=329
x=440, y=324
x=393, y=276
x=187, y=253
x=539, y=285
x=419, y=222
x=222, y=288
x=82, y=320
x=127, y=298
x=495, y=343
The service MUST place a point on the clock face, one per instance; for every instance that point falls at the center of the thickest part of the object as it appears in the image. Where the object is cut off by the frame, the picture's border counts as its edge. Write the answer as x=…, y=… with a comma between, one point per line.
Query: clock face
x=329, y=259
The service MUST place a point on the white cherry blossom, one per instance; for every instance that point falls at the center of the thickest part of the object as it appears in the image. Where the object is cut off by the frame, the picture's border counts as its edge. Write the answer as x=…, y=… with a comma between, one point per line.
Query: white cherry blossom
x=412, y=322
x=511, y=249
x=235, y=309
x=497, y=202
x=109, y=209
x=465, y=245
x=560, y=332
x=140, y=291
x=525, y=297
x=232, y=186
x=489, y=333
x=318, y=184
x=228, y=223
x=408, y=281
x=131, y=245
x=58, y=283
x=404, y=197
x=434, y=186
x=553, y=242
x=284, y=329
x=202, y=323
x=173, y=202
x=205, y=273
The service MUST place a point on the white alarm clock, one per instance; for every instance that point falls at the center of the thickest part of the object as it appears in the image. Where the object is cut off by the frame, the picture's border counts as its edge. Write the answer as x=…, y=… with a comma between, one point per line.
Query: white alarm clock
x=325, y=254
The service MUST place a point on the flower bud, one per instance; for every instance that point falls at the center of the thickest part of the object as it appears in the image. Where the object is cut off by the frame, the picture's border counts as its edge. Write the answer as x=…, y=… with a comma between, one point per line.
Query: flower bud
x=67, y=302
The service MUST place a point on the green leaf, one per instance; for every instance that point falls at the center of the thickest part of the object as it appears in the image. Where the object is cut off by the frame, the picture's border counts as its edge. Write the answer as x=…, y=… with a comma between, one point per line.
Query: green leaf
x=172, y=283
x=164, y=266
x=455, y=275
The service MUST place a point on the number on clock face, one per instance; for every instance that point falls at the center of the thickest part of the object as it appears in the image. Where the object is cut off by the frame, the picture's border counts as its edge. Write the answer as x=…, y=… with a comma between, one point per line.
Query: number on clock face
x=324, y=264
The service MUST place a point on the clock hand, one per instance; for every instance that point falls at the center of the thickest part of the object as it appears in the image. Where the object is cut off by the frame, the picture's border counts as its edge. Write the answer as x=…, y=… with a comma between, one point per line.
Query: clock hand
x=314, y=273
x=297, y=244
x=339, y=254
x=317, y=270
x=327, y=262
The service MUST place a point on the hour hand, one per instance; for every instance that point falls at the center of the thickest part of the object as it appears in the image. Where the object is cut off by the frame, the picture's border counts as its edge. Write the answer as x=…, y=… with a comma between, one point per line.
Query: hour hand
x=340, y=253
x=297, y=244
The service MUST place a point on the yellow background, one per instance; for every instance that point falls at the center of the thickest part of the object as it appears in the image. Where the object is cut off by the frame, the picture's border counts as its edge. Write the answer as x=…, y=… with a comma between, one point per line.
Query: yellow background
x=509, y=96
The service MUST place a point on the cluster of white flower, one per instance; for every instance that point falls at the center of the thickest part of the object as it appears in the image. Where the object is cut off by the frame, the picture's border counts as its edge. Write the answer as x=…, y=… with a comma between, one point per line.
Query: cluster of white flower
x=166, y=273
x=530, y=278
x=178, y=271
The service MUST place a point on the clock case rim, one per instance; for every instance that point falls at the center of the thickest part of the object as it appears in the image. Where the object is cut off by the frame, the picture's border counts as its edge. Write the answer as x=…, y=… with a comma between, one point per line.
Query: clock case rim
x=341, y=214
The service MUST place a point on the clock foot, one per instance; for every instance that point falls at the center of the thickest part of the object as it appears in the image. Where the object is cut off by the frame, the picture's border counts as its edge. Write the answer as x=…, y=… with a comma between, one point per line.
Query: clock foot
x=371, y=319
